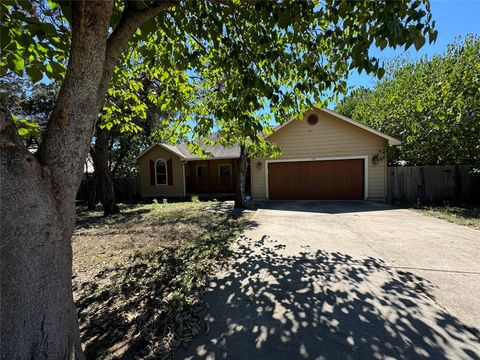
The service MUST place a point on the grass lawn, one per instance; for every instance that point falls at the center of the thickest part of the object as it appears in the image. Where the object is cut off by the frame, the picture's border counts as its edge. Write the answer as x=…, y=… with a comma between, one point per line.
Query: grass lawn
x=457, y=215
x=139, y=276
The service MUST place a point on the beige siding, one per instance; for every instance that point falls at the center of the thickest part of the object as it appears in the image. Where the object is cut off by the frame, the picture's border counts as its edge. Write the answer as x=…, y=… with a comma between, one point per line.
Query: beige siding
x=147, y=190
x=329, y=138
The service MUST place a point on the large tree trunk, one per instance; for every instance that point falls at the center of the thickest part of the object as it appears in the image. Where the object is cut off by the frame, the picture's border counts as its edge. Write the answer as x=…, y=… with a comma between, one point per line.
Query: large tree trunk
x=241, y=179
x=37, y=197
x=103, y=176
x=38, y=315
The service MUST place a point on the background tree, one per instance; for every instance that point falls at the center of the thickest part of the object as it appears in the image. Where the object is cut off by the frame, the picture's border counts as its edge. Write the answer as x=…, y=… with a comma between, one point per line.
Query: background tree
x=289, y=53
x=128, y=118
x=432, y=105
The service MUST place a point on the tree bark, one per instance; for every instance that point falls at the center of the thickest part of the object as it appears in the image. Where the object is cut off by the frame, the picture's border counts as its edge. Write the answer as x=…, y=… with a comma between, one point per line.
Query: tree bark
x=38, y=315
x=241, y=179
x=92, y=193
x=37, y=197
x=103, y=176
x=37, y=209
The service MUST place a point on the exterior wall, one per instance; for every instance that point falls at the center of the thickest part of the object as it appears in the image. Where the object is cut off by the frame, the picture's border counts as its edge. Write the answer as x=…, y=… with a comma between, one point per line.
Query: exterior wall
x=329, y=138
x=147, y=190
x=211, y=184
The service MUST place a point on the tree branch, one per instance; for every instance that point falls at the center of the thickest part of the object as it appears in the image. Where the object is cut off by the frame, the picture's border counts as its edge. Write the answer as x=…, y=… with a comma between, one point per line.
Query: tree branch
x=131, y=20
x=70, y=127
x=93, y=55
x=122, y=154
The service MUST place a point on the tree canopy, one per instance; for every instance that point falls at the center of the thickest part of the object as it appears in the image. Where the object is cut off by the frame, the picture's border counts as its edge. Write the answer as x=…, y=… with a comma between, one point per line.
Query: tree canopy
x=432, y=105
x=221, y=64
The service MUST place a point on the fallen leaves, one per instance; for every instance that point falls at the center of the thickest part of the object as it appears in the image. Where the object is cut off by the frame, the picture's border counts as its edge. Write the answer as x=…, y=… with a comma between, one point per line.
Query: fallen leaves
x=145, y=300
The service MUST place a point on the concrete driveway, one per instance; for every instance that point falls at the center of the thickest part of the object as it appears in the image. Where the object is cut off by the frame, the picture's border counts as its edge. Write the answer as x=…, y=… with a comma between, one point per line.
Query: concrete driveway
x=345, y=280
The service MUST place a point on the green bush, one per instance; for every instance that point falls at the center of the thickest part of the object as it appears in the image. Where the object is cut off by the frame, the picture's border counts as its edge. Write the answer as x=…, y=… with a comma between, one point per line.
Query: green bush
x=195, y=199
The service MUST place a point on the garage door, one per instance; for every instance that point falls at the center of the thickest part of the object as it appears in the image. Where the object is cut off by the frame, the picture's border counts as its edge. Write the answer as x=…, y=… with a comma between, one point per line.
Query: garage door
x=316, y=180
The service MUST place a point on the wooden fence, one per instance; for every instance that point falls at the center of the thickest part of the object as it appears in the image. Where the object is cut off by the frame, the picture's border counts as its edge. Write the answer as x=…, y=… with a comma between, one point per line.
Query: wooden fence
x=125, y=190
x=434, y=185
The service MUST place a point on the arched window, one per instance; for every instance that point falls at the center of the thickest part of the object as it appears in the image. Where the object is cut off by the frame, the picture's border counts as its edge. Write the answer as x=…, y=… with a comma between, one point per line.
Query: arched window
x=161, y=172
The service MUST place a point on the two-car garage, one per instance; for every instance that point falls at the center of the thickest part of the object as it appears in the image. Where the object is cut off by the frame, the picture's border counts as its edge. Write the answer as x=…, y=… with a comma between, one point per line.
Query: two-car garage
x=339, y=179
x=326, y=156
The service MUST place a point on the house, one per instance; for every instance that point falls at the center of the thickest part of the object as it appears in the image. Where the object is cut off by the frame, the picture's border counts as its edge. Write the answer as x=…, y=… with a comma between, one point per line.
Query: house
x=326, y=156
x=173, y=171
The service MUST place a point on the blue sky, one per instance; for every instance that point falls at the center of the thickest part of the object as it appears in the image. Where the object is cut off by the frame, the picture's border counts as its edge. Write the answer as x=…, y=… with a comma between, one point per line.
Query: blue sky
x=453, y=18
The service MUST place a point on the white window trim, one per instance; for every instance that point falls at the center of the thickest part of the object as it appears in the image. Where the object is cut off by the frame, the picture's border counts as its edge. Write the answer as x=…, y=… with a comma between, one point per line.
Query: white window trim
x=166, y=172
x=365, y=170
x=229, y=165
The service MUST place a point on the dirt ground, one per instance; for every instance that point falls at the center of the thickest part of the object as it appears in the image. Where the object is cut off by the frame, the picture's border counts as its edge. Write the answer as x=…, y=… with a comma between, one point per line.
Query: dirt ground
x=138, y=277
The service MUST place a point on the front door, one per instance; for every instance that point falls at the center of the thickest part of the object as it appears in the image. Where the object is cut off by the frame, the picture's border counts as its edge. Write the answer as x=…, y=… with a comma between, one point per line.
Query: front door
x=225, y=178
x=203, y=178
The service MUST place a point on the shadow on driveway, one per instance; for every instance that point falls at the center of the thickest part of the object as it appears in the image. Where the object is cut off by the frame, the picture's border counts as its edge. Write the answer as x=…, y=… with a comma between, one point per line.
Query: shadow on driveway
x=325, y=207
x=319, y=305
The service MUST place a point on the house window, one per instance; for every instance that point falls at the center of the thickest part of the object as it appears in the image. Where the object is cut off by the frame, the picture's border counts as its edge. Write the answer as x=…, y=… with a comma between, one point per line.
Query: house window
x=225, y=169
x=202, y=170
x=161, y=172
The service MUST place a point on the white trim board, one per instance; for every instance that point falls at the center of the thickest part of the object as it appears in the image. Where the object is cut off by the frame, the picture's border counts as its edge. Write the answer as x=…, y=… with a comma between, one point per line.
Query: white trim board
x=365, y=169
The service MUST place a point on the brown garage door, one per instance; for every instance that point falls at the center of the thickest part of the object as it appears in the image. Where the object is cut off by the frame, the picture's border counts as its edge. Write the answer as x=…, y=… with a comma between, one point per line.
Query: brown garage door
x=316, y=180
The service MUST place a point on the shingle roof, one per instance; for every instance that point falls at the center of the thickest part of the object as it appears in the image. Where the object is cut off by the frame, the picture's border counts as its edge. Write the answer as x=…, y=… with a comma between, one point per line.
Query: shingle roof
x=217, y=151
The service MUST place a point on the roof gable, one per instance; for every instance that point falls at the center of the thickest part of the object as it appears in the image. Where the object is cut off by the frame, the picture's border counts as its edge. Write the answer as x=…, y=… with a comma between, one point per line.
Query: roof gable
x=391, y=140
x=167, y=147
x=181, y=150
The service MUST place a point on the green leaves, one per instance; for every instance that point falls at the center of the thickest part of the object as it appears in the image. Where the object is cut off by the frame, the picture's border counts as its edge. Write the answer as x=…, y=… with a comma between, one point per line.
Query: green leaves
x=380, y=73
x=226, y=66
x=26, y=128
x=16, y=63
x=37, y=44
x=433, y=105
x=34, y=72
x=419, y=42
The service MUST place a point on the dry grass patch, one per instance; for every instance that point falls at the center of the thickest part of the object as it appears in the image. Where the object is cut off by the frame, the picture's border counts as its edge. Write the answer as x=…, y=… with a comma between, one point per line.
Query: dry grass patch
x=139, y=276
x=458, y=215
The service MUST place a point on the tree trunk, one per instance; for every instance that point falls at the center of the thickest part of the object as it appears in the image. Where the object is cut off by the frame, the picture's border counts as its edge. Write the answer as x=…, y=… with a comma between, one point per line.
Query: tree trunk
x=37, y=209
x=103, y=176
x=38, y=315
x=241, y=179
x=37, y=197
x=92, y=193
